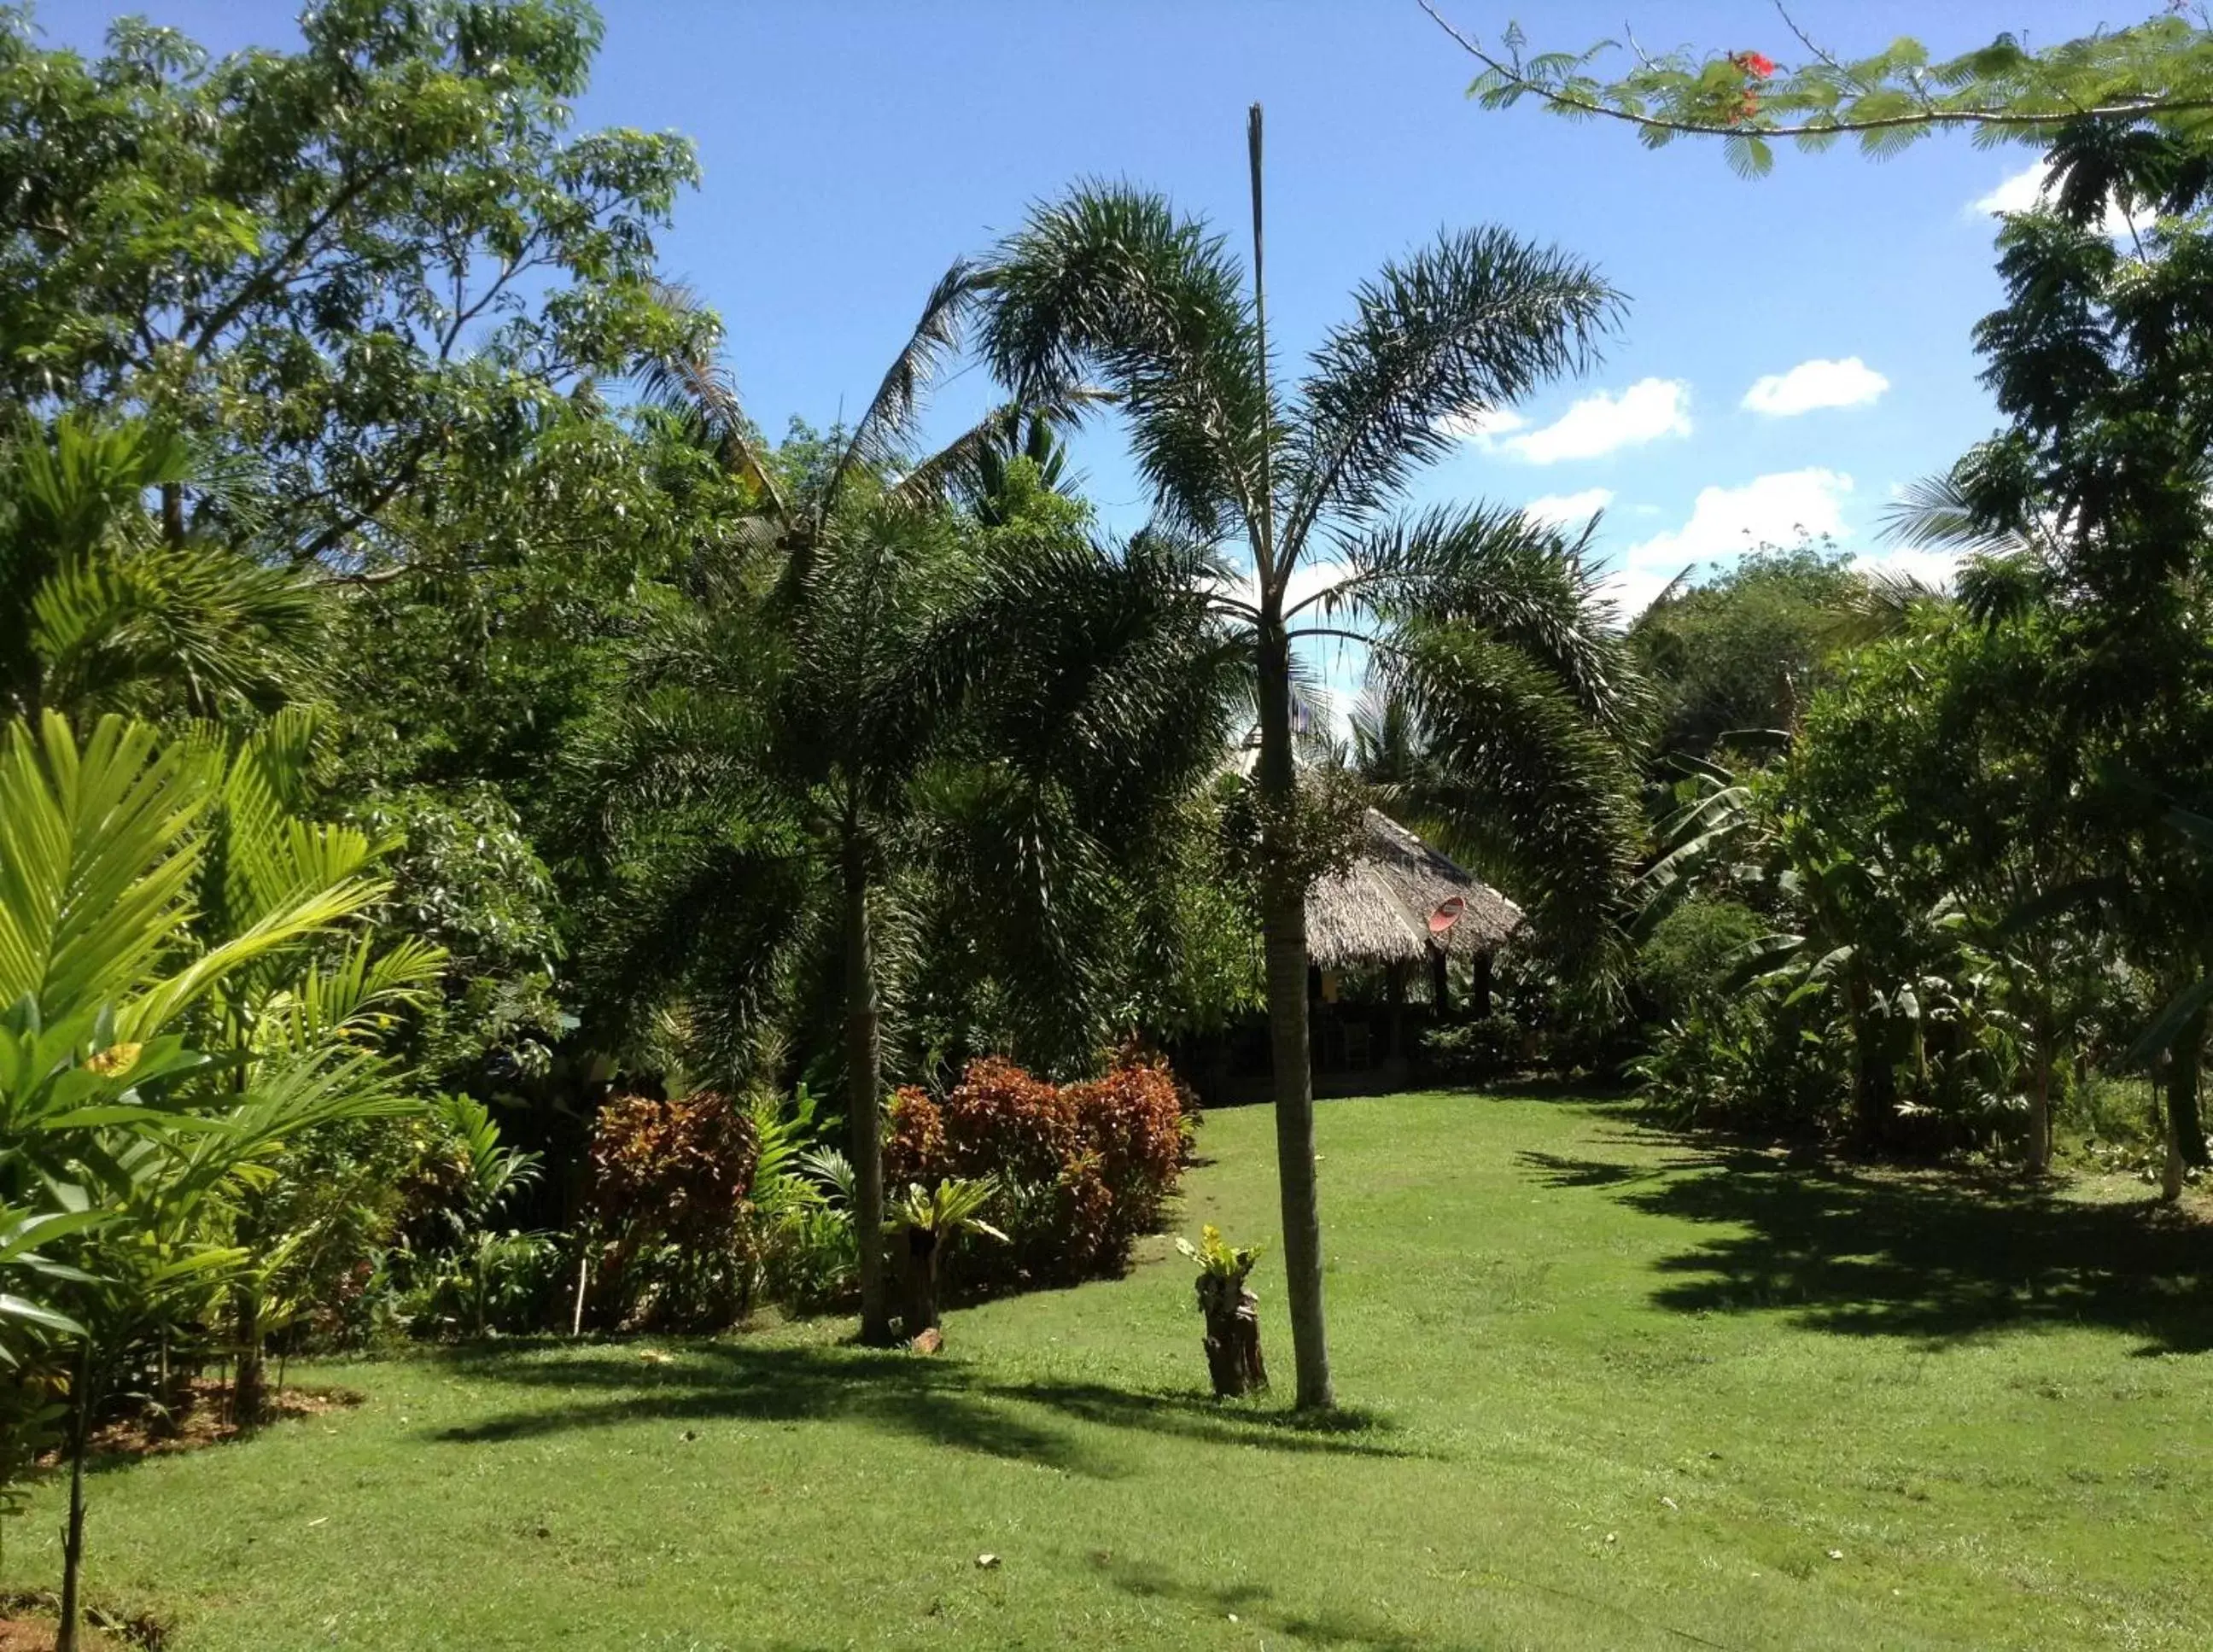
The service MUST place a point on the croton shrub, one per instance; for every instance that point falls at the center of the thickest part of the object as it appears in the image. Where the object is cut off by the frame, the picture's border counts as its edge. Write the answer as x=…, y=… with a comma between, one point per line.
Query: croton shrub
x=669, y=1181
x=1084, y=1169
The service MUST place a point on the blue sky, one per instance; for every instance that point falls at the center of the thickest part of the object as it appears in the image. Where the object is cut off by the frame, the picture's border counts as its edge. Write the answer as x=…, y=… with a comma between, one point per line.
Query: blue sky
x=851, y=150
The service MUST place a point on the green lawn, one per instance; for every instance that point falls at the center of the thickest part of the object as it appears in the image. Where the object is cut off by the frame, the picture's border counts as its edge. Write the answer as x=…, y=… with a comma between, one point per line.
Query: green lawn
x=1614, y=1391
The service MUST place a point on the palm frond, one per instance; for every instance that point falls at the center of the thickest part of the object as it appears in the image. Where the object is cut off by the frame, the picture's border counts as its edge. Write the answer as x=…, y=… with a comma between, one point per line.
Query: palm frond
x=1520, y=779
x=1111, y=282
x=966, y=463
x=883, y=436
x=686, y=376
x=109, y=614
x=1468, y=324
x=97, y=859
x=1937, y=512
x=356, y=997
x=1518, y=581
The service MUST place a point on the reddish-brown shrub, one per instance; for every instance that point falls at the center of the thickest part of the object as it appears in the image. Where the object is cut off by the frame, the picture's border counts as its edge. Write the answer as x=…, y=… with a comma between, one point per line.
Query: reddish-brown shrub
x=1001, y=1121
x=675, y=1170
x=1084, y=1169
x=914, y=1140
x=668, y=1189
x=1133, y=1119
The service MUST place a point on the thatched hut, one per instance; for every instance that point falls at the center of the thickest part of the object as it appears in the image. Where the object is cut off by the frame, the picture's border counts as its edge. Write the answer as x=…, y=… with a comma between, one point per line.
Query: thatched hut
x=1381, y=938
x=1380, y=910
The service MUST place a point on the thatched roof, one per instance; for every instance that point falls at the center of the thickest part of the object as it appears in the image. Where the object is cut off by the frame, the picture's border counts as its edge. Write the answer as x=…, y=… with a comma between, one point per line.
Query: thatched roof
x=1377, y=911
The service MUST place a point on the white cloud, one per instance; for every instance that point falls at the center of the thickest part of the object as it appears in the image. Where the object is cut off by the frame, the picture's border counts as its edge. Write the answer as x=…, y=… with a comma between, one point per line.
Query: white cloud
x=1777, y=508
x=1569, y=509
x=1631, y=590
x=2018, y=193
x=1931, y=568
x=1308, y=578
x=1481, y=427
x=2026, y=189
x=1817, y=383
x=1597, y=425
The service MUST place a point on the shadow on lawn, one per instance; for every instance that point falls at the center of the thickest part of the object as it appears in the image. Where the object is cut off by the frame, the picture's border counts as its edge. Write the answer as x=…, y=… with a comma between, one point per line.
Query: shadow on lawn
x=1255, y=1604
x=935, y=1400
x=1870, y=1253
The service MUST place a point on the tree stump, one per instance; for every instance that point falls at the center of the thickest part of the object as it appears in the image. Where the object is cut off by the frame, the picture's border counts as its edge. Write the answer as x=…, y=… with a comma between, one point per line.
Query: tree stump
x=1233, y=1336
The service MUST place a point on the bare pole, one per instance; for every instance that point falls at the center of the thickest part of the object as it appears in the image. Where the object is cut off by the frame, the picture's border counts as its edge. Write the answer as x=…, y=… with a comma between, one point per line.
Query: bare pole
x=1264, y=548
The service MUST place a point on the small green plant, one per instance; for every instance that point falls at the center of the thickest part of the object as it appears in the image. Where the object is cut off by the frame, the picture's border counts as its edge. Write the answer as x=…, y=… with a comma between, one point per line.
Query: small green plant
x=1217, y=1259
x=930, y=1217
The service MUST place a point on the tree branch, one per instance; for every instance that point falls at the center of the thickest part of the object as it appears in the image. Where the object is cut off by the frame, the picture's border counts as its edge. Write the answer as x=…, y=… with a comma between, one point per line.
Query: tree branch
x=1512, y=78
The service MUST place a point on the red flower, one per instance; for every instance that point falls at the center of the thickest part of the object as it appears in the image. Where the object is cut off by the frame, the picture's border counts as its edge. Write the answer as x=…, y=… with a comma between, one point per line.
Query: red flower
x=1757, y=64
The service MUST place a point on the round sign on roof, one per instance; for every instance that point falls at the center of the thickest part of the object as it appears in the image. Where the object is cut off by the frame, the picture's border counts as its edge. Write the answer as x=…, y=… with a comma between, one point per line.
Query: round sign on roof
x=1446, y=914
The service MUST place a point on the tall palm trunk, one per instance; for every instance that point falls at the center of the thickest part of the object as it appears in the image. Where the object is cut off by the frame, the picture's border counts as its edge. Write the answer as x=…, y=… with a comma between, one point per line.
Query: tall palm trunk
x=82, y=1399
x=2185, y=1125
x=864, y=1094
x=1284, y=924
x=249, y=1396
x=1875, y=1098
x=1283, y=898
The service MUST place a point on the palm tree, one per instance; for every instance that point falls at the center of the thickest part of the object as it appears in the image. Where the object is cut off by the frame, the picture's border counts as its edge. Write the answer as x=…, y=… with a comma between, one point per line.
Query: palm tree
x=129, y=1082
x=103, y=607
x=830, y=661
x=1487, y=623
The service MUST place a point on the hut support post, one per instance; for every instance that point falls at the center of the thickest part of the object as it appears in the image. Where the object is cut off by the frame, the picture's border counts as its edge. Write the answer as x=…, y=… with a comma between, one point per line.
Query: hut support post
x=1396, y=995
x=1440, y=983
x=1480, y=992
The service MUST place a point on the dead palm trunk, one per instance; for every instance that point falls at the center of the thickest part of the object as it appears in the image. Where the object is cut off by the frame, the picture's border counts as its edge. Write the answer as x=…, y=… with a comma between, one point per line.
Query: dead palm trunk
x=922, y=1252
x=864, y=1098
x=1233, y=1336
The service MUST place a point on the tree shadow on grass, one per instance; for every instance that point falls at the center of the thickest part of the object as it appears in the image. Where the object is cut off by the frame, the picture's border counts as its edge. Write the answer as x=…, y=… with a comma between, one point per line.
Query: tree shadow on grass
x=1345, y=1432
x=1255, y=1604
x=709, y=1382
x=1943, y=1258
x=1557, y=1170
x=939, y=1401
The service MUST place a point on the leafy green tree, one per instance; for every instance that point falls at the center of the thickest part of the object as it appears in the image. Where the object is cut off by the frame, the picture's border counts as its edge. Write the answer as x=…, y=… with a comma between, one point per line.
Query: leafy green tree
x=350, y=269
x=1488, y=623
x=1943, y=743
x=1746, y=651
x=2160, y=70
x=2090, y=516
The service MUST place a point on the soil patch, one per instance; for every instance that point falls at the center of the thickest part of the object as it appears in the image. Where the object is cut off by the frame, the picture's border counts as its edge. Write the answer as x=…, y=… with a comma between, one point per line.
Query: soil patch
x=37, y=1635
x=203, y=1420
x=29, y=1620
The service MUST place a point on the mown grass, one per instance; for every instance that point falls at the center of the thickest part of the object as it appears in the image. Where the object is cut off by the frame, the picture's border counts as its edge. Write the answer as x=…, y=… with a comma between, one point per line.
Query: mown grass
x=1609, y=1389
